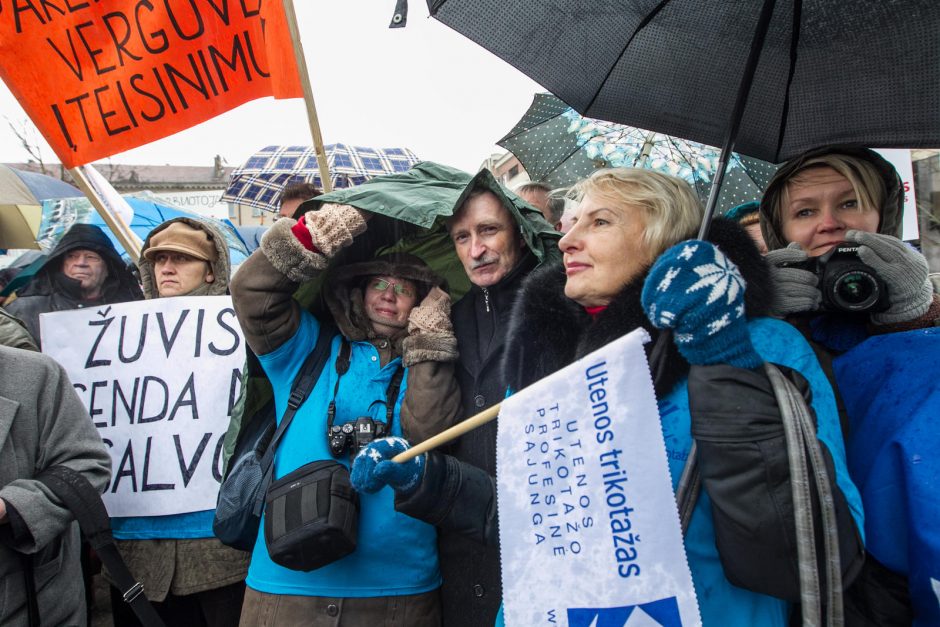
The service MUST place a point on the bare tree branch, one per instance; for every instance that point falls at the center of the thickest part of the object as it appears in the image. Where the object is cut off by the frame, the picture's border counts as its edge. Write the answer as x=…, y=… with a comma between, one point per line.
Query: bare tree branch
x=26, y=134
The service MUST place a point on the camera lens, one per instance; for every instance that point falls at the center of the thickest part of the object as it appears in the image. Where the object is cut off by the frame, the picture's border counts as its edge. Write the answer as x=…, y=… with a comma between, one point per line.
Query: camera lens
x=855, y=291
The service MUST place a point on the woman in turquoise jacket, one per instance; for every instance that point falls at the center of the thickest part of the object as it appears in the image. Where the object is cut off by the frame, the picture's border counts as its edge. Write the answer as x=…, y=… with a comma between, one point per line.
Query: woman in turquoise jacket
x=394, y=316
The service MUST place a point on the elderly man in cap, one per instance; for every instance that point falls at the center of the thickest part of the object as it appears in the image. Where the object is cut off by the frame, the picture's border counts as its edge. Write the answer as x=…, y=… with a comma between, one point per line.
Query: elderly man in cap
x=190, y=577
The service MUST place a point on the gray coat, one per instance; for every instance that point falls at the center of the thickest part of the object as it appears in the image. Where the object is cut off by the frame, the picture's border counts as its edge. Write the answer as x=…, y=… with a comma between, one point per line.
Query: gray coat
x=42, y=424
x=13, y=332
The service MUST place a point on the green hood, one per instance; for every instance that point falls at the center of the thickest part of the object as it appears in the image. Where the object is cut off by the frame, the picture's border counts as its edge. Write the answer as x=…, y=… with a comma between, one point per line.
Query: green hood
x=427, y=194
x=410, y=213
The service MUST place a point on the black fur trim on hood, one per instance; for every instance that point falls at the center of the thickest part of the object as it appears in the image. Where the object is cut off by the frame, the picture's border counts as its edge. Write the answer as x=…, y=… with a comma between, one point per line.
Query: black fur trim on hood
x=344, y=295
x=548, y=330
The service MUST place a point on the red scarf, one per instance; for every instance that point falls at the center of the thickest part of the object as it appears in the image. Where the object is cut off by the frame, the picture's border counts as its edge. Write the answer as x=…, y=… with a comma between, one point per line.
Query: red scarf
x=594, y=312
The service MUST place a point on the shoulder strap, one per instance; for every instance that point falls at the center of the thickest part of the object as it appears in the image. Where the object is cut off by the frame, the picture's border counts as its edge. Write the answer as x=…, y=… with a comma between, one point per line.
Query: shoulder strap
x=29, y=581
x=391, y=396
x=342, y=367
x=303, y=384
x=84, y=501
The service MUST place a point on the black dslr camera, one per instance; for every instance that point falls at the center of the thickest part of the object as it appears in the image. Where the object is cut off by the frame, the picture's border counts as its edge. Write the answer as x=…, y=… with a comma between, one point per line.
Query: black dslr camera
x=352, y=436
x=847, y=284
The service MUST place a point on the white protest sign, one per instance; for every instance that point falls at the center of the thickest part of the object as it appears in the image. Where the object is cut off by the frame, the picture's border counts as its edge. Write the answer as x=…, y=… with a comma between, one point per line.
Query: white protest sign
x=588, y=525
x=205, y=203
x=900, y=158
x=159, y=378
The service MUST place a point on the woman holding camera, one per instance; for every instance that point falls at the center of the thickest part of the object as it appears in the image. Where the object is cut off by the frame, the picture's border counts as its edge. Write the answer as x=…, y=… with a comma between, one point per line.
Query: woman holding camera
x=835, y=195
x=884, y=351
x=628, y=264
x=394, y=349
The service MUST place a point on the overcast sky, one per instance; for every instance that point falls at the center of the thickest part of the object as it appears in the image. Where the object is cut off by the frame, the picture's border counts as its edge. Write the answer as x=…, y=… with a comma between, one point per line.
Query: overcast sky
x=423, y=87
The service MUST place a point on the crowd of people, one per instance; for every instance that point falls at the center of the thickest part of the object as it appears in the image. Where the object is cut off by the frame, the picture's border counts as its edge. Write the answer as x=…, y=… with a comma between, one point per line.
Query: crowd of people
x=551, y=279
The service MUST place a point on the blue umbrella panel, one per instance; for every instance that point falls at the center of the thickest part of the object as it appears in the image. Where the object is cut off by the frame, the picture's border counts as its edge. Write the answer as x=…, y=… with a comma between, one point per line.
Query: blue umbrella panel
x=259, y=182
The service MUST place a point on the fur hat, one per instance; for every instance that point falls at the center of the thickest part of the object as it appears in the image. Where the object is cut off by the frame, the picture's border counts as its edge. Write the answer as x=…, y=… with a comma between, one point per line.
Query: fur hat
x=344, y=294
x=180, y=237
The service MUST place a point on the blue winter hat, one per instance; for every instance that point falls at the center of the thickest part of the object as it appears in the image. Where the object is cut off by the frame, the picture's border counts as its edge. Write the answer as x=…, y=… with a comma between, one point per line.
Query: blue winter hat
x=746, y=214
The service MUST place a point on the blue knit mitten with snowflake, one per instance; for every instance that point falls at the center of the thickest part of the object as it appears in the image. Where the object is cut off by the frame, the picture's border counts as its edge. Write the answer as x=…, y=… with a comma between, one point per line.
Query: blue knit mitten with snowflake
x=373, y=468
x=697, y=292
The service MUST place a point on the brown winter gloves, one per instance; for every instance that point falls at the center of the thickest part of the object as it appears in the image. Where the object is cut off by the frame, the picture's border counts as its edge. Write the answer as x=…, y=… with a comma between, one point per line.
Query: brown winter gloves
x=430, y=333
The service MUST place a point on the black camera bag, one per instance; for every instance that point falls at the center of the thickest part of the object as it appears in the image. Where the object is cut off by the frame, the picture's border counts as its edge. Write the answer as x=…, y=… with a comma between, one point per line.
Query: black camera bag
x=311, y=516
x=241, y=495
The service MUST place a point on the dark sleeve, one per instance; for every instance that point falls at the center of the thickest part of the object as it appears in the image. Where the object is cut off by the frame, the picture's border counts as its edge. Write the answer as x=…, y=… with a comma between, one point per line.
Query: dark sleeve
x=745, y=471
x=15, y=532
x=878, y=597
x=454, y=496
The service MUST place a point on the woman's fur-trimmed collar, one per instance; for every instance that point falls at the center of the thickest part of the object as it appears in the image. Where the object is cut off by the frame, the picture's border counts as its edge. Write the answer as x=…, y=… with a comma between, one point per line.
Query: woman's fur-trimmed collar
x=549, y=330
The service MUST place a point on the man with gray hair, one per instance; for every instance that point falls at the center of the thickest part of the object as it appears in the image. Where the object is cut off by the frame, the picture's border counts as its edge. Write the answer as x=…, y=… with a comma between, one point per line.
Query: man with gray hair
x=540, y=196
x=493, y=239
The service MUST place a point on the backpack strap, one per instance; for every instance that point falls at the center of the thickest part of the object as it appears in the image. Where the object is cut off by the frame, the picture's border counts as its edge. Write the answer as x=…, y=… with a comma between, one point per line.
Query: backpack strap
x=29, y=581
x=303, y=384
x=84, y=501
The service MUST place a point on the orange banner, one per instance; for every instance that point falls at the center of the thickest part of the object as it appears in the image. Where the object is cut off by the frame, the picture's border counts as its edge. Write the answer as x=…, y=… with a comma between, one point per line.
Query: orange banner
x=101, y=77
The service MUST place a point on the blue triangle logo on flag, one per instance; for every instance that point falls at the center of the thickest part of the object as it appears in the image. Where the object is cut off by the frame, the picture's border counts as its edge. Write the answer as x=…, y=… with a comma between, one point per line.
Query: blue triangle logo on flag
x=664, y=613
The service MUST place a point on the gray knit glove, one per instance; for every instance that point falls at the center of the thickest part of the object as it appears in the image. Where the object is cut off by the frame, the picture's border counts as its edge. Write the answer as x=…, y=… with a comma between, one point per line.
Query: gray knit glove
x=795, y=290
x=902, y=268
x=333, y=227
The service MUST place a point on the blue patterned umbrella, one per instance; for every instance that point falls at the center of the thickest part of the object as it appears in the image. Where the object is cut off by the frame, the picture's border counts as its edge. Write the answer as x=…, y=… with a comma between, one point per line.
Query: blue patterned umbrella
x=258, y=183
x=558, y=146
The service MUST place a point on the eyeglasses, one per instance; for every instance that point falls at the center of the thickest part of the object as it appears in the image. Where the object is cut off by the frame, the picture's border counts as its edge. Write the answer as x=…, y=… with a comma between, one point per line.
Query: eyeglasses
x=380, y=285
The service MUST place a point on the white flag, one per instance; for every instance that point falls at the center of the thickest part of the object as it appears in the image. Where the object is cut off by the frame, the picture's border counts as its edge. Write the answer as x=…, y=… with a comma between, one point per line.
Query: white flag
x=109, y=196
x=589, y=530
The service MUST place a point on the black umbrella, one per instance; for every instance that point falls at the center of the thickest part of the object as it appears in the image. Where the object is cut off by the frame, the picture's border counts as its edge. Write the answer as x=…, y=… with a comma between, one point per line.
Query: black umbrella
x=865, y=71
x=558, y=146
x=767, y=78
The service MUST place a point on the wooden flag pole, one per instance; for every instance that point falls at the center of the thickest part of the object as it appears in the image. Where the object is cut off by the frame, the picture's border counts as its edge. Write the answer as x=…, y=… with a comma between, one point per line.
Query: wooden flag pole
x=291, y=16
x=115, y=222
x=449, y=434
